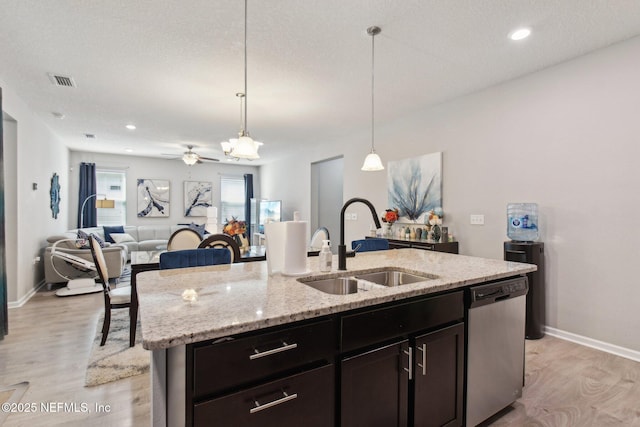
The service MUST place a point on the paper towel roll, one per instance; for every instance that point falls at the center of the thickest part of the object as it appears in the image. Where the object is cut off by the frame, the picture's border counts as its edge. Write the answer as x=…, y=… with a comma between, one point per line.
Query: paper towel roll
x=286, y=247
x=295, y=248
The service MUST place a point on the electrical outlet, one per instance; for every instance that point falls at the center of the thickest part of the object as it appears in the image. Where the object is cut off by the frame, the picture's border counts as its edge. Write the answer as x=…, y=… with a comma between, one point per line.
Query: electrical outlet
x=477, y=219
x=347, y=216
x=354, y=216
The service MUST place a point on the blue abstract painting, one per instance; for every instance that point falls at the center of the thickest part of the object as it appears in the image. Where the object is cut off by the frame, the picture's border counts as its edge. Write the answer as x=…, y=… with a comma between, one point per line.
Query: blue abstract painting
x=153, y=198
x=415, y=186
x=197, y=197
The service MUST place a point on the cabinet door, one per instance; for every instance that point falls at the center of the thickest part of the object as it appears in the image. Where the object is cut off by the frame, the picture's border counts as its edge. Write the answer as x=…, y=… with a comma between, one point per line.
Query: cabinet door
x=375, y=386
x=439, y=370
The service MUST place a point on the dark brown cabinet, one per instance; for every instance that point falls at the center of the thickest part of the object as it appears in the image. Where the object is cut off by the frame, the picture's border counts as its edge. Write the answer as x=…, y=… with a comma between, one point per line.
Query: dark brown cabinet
x=307, y=396
x=268, y=378
x=449, y=247
x=438, y=377
x=374, y=389
x=395, y=364
x=415, y=381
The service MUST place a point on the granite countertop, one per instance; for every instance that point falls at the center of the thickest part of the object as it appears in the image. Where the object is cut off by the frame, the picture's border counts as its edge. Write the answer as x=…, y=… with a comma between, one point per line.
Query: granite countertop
x=242, y=297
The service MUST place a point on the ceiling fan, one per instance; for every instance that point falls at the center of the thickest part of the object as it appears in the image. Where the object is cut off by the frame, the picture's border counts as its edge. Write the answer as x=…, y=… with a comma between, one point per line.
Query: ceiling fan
x=190, y=157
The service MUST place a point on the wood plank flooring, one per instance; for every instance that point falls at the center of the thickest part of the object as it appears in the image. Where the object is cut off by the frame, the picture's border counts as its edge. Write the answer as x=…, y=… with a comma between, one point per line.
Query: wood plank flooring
x=50, y=339
x=48, y=345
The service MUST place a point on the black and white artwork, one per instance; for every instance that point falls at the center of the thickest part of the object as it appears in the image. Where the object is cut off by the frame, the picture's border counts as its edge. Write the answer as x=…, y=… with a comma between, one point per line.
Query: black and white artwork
x=415, y=186
x=153, y=198
x=197, y=197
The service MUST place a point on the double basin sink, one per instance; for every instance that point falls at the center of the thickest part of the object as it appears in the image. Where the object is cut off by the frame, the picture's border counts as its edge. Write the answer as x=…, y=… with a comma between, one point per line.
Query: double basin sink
x=361, y=282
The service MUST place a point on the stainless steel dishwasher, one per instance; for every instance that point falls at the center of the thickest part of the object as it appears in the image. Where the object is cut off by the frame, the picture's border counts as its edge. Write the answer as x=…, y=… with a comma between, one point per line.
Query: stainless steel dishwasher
x=495, y=358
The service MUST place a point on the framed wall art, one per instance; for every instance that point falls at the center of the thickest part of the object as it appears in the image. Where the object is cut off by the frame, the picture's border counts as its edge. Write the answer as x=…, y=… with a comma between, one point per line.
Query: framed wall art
x=415, y=186
x=153, y=198
x=197, y=197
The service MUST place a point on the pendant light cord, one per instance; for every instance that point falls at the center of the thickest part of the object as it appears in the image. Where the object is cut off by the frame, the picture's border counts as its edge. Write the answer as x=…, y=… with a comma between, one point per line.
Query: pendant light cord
x=245, y=68
x=373, y=37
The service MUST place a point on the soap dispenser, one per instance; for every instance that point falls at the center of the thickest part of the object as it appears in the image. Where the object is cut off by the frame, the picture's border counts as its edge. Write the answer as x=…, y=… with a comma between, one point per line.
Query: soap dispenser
x=325, y=257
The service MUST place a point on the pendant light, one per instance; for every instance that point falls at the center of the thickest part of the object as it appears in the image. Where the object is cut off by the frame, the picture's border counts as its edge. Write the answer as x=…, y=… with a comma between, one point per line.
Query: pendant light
x=372, y=162
x=244, y=147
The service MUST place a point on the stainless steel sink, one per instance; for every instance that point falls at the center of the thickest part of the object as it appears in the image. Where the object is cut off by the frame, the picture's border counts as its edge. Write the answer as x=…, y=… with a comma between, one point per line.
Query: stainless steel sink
x=336, y=286
x=365, y=281
x=393, y=277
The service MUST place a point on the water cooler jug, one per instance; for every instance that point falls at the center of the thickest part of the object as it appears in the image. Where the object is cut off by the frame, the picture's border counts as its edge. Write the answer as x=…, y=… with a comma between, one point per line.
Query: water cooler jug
x=531, y=253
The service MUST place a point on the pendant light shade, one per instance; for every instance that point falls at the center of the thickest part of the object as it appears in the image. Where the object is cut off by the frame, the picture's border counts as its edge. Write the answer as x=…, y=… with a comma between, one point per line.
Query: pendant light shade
x=243, y=147
x=372, y=162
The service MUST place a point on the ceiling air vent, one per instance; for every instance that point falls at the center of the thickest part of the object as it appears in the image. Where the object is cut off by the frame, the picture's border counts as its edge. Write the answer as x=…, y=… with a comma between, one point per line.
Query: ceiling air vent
x=89, y=136
x=61, y=80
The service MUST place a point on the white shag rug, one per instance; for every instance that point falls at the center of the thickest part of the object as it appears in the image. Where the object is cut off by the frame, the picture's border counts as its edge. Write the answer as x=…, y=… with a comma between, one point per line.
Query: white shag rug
x=116, y=360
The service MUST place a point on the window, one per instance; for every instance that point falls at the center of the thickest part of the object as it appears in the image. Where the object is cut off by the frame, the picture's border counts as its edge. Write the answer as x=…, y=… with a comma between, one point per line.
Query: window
x=231, y=198
x=112, y=184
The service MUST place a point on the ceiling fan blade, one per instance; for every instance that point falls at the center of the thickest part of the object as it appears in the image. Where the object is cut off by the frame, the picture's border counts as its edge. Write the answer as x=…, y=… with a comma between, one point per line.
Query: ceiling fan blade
x=209, y=159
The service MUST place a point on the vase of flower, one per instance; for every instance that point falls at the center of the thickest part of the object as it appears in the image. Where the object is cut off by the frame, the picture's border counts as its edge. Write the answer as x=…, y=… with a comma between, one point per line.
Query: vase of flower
x=390, y=216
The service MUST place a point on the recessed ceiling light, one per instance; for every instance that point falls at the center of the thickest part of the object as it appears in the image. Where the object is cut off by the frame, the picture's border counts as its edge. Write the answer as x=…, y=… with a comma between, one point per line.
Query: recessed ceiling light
x=131, y=127
x=520, y=34
x=129, y=150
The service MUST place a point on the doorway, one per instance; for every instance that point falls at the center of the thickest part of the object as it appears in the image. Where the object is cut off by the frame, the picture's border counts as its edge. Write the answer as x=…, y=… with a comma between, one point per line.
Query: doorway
x=327, y=177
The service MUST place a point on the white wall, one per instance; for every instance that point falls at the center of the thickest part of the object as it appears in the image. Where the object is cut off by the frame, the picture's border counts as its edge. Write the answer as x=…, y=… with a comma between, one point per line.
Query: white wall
x=152, y=168
x=566, y=138
x=36, y=156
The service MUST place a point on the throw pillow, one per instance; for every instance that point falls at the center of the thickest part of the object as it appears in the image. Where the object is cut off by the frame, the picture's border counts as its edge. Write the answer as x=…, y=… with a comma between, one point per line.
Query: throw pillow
x=112, y=229
x=199, y=228
x=122, y=237
x=82, y=240
x=98, y=239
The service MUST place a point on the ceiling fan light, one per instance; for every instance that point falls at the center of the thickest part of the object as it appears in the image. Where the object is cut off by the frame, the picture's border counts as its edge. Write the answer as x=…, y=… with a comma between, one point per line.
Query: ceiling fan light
x=372, y=162
x=190, y=158
x=246, y=148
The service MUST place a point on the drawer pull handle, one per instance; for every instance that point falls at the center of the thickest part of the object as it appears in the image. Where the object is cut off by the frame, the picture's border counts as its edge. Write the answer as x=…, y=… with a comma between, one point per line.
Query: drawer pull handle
x=285, y=398
x=410, y=364
x=423, y=365
x=258, y=354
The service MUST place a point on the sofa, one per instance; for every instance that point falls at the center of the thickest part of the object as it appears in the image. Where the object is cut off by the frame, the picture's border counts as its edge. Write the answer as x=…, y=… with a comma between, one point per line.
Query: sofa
x=116, y=253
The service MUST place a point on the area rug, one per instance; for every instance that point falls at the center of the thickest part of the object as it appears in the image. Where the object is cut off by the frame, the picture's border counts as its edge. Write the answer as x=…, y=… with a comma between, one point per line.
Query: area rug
x=116, y=360
x=11, y=395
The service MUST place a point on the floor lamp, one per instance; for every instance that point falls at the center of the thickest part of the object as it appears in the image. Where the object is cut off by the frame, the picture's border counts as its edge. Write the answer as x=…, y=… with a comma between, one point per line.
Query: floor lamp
x=100, y=203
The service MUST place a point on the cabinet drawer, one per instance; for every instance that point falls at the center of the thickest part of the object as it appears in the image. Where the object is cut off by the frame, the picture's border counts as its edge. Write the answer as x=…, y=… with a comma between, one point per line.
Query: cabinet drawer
x=370, y=327
x=303, y=399
x=424, y=246
x=220, y=366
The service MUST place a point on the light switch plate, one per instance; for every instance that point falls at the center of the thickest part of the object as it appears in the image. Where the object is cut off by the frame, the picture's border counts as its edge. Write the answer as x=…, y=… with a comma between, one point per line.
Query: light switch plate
x=477, y=219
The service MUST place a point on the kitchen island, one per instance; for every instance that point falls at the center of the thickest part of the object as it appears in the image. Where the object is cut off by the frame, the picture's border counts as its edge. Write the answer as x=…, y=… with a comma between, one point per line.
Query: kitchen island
x=240, y=302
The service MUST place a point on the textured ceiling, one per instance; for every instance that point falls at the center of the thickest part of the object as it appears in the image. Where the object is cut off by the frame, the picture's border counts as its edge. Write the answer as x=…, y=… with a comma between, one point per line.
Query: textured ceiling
x=172, y=68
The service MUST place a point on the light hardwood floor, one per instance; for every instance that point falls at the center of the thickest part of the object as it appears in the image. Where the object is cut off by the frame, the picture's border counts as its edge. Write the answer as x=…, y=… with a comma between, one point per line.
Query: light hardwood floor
x=50, y=338
x=48, y=345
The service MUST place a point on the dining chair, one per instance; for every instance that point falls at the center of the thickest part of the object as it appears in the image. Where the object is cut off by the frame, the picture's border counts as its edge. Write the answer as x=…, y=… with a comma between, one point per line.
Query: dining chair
x=315, y=244
x=194, y=258
x=113, y=298
x=368, y=245
x=184, y=238
x=222, y=241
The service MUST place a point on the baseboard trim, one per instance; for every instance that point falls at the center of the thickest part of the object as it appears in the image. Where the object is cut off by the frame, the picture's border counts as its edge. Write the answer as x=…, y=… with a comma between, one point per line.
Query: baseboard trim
x=22, y=301
x=590, y=342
